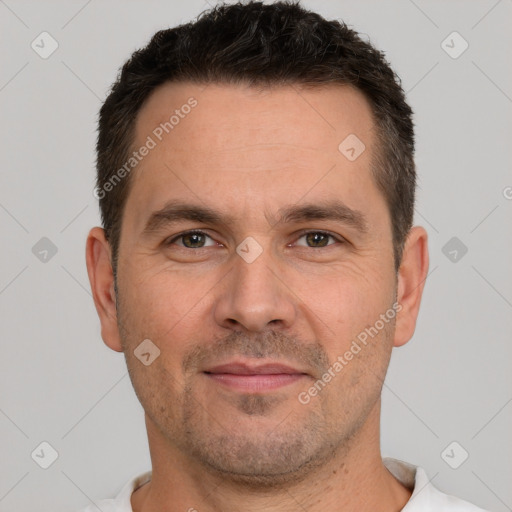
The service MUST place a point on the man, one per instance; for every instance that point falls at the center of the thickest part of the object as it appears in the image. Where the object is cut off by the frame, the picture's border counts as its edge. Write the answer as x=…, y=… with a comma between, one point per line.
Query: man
x=258, y=263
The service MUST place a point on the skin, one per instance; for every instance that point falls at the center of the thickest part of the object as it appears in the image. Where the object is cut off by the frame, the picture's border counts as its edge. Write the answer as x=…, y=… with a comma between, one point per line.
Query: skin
x=301, y=302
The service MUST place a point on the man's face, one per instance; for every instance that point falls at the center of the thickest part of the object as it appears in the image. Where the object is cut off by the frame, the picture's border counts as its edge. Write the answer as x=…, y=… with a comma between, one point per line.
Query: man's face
x=297, y=293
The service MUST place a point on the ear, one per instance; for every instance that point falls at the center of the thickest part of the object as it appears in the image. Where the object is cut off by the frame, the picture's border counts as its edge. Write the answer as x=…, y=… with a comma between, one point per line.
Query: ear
x=101, y=277
x=411, y=281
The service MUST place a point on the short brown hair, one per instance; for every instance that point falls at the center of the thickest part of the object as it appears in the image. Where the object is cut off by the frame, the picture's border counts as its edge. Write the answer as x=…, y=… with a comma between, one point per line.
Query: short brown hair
x=261, y=45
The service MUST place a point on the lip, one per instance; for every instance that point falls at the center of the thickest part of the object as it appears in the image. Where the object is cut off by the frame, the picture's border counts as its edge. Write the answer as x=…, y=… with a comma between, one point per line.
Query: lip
x=241, y=368
x=246, y=377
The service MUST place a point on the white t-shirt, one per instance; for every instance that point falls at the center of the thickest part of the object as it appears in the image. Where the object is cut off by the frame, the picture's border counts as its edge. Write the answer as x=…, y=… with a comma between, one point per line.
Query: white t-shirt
x=425, y=497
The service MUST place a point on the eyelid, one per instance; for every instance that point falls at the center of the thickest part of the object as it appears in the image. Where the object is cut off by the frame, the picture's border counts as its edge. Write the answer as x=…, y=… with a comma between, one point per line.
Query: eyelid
x=170, y=241
x=337, y=237
x=298, y=235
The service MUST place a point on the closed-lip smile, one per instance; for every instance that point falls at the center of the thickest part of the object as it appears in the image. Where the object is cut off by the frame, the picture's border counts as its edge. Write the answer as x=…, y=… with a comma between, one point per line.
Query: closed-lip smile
x=254, y=377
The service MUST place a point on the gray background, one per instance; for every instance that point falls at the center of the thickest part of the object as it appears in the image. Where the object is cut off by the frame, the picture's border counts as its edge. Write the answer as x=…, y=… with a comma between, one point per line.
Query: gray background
x=59, y=383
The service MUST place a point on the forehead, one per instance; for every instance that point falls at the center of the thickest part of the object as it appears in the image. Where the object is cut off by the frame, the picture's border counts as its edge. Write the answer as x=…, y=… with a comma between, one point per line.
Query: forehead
x=227, y=116
x=250, y=146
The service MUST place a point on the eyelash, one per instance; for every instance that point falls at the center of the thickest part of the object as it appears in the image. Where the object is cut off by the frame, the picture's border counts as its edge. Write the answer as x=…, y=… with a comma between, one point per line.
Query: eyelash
x=301, y=234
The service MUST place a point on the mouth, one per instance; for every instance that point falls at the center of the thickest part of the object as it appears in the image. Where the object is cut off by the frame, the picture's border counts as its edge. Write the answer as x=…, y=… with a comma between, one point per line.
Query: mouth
x=251, y=378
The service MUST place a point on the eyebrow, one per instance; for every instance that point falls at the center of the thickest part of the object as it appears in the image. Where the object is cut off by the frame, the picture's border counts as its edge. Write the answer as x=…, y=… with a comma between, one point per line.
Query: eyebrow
x=334, y=210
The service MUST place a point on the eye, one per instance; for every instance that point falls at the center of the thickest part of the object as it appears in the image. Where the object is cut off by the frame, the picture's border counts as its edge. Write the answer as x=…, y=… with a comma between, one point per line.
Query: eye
x=192, y=240
x=318, y=239
x=196, y=239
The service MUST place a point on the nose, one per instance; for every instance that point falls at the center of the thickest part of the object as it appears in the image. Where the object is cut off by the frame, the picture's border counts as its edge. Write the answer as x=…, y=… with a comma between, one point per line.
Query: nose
x=254, y=296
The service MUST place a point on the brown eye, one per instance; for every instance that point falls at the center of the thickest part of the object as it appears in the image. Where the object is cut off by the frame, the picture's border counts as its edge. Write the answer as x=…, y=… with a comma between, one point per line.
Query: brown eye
x=318, y=239
x=191, y=240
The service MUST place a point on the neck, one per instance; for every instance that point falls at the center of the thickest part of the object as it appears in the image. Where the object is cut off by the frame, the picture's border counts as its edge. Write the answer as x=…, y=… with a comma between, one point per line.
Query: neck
x=355, y=479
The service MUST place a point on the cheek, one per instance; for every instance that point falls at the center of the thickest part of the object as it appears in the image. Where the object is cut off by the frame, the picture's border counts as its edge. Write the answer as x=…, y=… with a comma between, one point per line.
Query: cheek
x=349, y=301
x=158, y=299
x=168, y=308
